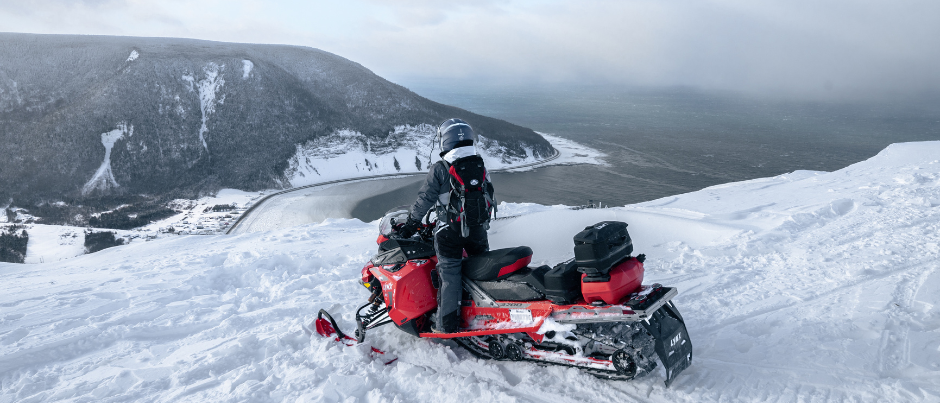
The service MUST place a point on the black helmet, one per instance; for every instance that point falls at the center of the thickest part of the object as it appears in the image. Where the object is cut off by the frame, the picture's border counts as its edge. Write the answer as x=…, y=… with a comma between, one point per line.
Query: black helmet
x=455, y=133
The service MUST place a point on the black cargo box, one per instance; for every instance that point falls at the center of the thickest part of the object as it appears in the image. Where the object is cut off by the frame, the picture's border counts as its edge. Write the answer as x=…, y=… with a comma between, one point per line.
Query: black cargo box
x=563, y=283
x=601, y=246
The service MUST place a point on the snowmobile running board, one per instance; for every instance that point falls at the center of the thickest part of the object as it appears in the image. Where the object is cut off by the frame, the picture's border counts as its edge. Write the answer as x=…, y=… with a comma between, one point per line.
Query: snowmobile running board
x=484, y=332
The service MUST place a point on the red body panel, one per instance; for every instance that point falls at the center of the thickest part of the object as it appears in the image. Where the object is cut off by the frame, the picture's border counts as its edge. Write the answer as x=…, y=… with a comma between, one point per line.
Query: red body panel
x=625, y=278
x=408, y=292
x=476, y=320
x=479, y=321
x=365, y=276
x=515, y=266
x=481, y=318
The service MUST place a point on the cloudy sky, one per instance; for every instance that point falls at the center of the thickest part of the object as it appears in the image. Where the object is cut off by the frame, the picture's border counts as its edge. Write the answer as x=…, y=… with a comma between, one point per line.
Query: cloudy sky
x=799, y=46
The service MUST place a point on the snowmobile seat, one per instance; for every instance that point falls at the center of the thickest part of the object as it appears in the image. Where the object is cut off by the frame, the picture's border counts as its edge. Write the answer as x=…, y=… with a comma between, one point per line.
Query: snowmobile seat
x=526, y=284
x=496, y=264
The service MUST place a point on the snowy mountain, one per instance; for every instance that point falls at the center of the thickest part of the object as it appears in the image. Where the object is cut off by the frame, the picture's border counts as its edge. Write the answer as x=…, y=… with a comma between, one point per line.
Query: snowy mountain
x=86, y=116
x=406, y=149
x=809, y=286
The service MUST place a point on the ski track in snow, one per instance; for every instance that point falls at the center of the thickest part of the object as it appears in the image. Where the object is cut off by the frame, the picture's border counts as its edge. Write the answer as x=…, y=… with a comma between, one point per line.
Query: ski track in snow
x=809, y=286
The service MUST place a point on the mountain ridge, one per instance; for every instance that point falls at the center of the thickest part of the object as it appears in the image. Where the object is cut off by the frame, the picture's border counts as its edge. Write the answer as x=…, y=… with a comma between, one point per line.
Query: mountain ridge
x=193, y=116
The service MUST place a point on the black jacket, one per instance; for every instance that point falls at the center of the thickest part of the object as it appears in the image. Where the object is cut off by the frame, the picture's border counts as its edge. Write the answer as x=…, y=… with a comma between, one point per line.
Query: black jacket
x=436, y=188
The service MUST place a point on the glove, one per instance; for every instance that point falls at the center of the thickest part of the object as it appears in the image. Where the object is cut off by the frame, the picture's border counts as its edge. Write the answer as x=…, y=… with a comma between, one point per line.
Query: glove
x=409, y=228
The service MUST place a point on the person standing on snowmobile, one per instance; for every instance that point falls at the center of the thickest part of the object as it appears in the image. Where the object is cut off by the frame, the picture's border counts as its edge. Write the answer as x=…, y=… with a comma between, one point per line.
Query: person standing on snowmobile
x=460, y=188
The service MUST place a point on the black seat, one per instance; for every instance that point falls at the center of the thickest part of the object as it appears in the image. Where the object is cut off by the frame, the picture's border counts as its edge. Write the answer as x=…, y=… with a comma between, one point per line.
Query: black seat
x=525, y=284
x=496, y=264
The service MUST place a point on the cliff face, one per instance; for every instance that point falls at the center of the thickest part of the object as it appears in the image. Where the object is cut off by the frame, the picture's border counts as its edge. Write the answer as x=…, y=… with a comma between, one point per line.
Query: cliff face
x=92, y=116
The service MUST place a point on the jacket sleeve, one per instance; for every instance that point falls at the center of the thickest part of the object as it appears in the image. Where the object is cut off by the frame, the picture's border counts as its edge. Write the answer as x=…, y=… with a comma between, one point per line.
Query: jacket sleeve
x=490, y=189
x=437, y=183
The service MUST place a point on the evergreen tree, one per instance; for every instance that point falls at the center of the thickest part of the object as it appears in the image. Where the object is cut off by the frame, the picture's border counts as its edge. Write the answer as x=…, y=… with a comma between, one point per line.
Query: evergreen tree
x=13, y=246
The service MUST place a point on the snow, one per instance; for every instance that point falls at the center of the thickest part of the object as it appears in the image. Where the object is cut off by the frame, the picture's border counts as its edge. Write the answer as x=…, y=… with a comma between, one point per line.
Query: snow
x=314, y=204
x=104, y=178
x=569, y=153
x=190, y=80
x=208, y=96
x=133, y=56
x=50, y=243
x=349, y=154
x=208, y=89
x=197, y=217
x=247, y=65
x=809, y=286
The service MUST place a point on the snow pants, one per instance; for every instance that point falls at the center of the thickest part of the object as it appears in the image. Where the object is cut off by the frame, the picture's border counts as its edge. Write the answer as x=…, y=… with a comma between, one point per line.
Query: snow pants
x=449, y=246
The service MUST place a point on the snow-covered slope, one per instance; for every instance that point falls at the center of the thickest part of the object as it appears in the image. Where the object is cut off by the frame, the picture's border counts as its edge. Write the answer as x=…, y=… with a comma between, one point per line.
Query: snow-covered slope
x=809, y=286
x=205, y=116
x=407, y=149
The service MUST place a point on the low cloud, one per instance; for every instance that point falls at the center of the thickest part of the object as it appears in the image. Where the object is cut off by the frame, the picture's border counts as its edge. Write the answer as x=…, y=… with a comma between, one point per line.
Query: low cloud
x=798, y=47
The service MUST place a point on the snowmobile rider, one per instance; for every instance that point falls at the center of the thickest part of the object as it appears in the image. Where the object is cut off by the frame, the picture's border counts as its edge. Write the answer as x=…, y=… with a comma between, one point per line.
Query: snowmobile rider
x=460, y=189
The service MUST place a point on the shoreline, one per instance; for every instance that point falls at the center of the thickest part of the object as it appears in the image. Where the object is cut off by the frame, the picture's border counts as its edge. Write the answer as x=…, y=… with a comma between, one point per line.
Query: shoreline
x=567, y=152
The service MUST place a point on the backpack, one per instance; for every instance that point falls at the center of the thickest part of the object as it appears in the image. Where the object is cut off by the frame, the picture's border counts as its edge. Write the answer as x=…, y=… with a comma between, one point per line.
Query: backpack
x=471, y=195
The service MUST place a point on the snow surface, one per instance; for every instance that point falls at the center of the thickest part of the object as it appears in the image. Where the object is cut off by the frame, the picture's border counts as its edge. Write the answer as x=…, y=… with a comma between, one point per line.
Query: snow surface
x=104, y=178
x=208, y=89
x=349, y=154
x=50, y=243
x=569, y=153
x=208, y=96
x=197, y=217
x=314, y=204
x=286, y=210
x=133, y=56
x=809, y=286
x=247, y=65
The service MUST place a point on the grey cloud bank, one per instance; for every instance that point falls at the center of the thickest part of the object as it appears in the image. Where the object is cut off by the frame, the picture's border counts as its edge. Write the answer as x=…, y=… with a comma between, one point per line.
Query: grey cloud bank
x=797, y=47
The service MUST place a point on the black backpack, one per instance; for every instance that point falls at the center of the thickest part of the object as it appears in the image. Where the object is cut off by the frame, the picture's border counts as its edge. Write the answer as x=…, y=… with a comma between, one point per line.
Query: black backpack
x=471, y=195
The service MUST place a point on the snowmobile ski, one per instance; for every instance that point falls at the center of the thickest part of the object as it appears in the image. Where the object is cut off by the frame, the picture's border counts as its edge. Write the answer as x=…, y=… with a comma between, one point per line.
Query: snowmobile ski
x=325, y=326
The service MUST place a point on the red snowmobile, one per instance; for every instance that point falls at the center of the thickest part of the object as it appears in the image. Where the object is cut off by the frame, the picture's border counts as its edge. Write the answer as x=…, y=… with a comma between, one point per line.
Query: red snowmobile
x=591, y=312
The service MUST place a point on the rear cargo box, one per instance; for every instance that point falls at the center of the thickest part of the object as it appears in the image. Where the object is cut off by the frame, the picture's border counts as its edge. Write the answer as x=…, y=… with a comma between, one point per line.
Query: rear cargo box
x=601, y=246
x=625, y=278
x=563, y=283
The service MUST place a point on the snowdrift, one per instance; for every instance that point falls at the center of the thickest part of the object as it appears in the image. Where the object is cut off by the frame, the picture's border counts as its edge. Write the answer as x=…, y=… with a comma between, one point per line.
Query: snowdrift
x=809, y=286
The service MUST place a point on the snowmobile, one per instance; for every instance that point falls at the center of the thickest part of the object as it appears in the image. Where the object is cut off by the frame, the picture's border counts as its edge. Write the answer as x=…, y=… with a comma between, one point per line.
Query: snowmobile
x=590, y=312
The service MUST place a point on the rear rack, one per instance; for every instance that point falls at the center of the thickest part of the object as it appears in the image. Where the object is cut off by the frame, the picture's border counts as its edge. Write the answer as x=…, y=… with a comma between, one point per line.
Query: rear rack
x=634, y=310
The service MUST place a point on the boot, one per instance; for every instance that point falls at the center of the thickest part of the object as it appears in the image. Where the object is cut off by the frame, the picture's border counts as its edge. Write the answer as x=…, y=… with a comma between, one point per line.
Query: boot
x=447, y=323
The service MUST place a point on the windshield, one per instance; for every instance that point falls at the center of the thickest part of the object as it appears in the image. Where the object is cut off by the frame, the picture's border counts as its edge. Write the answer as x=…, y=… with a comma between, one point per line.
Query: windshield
x=394, y=216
